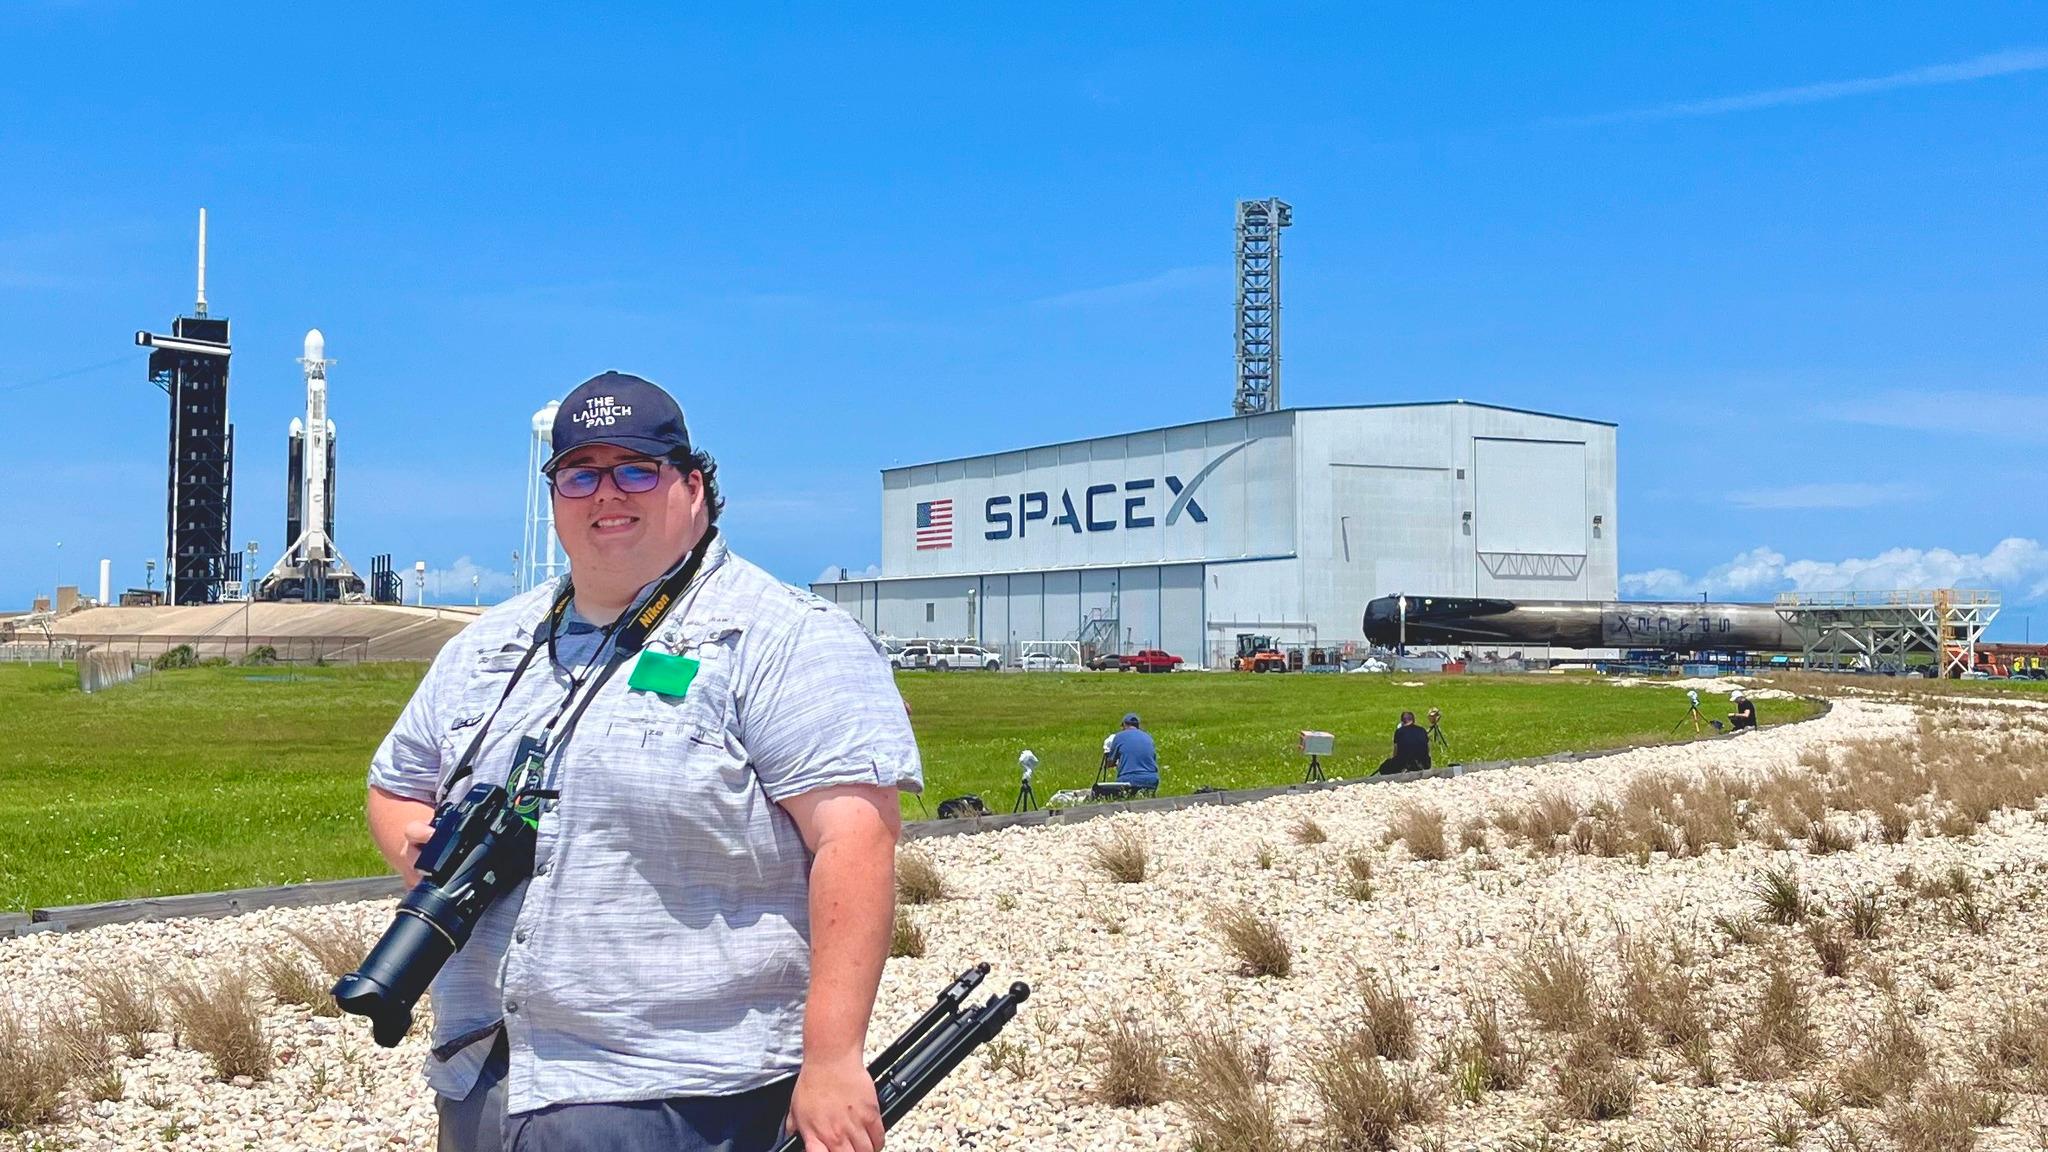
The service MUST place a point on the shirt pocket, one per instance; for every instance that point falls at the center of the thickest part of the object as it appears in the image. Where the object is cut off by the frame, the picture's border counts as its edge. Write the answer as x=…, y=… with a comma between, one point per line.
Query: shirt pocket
x=702, y=714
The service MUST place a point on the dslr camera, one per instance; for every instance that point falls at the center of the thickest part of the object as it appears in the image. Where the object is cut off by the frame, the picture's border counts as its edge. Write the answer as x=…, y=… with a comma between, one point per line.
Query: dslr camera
x=481, y=848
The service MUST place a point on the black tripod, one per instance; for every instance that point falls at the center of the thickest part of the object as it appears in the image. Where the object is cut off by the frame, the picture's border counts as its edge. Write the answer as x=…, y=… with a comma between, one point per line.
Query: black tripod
x=1437, y=738
x=1027, y=800
x=934, y=1046
x=1315, y=771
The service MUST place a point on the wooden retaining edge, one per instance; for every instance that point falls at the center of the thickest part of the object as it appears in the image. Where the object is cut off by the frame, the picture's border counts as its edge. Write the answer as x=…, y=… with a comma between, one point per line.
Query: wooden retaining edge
x=215, y=904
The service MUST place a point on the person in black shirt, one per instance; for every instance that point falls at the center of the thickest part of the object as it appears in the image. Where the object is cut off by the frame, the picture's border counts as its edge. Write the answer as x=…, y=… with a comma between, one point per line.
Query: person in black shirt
x=1411, y=747
x=1744, y=715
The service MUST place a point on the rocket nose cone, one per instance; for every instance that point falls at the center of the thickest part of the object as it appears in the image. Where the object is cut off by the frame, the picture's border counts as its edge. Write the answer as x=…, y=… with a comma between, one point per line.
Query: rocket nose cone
x=316, y=345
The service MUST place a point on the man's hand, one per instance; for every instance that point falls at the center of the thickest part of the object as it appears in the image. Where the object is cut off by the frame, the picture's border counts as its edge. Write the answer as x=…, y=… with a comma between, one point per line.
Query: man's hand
x=834, y=1107
x=417, y=833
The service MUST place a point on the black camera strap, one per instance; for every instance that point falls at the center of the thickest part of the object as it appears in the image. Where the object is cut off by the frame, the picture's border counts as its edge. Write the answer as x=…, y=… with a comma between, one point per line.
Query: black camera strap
x=625, y=636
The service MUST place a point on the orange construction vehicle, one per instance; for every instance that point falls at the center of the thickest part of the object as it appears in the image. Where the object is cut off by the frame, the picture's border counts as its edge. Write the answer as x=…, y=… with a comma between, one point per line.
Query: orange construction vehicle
x=1258, y=654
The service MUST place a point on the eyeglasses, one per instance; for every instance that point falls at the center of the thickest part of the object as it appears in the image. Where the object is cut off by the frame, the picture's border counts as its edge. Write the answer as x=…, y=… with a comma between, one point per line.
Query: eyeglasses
x=634, y=476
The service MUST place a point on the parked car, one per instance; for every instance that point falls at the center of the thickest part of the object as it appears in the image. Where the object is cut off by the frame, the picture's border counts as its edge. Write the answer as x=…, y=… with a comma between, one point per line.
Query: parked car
x=965, y=656
x=942, y=657
x=1151, y=660
x=1043, y=662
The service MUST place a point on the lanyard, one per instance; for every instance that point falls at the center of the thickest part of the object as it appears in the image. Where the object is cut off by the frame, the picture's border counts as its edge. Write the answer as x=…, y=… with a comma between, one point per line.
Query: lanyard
x=624, y=641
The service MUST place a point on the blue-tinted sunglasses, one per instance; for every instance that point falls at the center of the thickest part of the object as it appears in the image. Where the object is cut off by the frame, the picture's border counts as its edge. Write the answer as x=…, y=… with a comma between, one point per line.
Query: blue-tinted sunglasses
x=634, y=476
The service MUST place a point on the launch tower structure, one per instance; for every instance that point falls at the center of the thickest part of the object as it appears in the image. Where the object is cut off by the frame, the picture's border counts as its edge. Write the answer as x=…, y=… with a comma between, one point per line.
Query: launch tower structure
x=1258, y=304
x=191, y=366
x=312, y=567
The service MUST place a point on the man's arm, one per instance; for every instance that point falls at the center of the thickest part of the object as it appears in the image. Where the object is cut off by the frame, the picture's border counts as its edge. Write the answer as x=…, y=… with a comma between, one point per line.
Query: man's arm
x=851, y=830
x=398, y=826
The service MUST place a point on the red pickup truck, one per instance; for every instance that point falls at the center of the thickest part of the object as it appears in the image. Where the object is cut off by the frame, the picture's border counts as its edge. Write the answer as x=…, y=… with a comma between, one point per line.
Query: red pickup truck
x=1147, y=660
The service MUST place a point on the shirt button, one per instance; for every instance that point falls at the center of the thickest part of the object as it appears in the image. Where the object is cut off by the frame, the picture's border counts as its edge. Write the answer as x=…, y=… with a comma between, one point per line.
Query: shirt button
x=511, y=1006
x=520, y=936
x=542, y=870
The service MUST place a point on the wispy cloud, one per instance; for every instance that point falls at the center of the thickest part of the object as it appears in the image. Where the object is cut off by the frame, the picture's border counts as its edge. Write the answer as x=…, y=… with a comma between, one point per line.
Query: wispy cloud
x=2016, y=565
x=2008, y=63
x=1138, y=291
x=1837, y=495
x=1998, y=415
x=838, y=572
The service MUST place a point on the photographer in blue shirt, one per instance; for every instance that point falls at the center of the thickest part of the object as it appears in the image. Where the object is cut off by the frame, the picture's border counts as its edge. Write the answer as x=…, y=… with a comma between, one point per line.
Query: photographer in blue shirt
x=1135, y=757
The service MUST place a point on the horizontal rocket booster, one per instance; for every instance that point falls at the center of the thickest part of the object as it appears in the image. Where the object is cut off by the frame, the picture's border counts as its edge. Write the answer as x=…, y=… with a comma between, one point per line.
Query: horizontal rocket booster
x=1676, y=626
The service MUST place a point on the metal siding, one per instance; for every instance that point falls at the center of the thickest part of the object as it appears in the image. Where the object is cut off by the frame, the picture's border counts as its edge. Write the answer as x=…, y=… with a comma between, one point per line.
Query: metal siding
x=1180, y=612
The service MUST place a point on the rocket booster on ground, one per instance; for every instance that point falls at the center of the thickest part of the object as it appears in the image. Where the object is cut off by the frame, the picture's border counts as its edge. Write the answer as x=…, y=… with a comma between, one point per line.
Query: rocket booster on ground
x=1681, y=626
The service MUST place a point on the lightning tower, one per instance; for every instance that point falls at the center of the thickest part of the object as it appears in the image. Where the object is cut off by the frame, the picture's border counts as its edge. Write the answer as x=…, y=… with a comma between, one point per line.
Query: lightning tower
x=1258, y=304
x=191, y=366
x=540, y=555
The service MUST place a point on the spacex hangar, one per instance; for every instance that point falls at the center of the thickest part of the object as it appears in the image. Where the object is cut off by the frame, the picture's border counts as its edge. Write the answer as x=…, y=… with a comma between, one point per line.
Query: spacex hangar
x=1274, y=521
x=1283, y=523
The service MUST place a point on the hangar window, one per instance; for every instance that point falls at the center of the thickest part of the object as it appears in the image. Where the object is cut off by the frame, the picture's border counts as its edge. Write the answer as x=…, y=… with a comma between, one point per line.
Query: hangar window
x=930, y=609
x=1461, y=473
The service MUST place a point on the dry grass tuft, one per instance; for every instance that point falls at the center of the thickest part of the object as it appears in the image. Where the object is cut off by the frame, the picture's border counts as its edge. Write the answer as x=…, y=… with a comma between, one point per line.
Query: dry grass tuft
x=1943, y=1117
x=1831, y=946
x=1555, y=985
x=1123, y=856
x=1659, y=995
x=337, y=946
x=1132, y=1061
x=1783, y=899
x=1472, y=836
x=1969, y=915
x=1778, y=1035
x=1826, y=837
x=1358, y=884
x=1894, y=823
x=33, y=1075
x=1263, y=856
x=1222, y=1095
x=1307, y=831
x=906, y=939
x=2018, y=1045
x=1257, y=942
x=1389, y=1017
x=87, y=1050
x=1484, y=1058
x=126, y=1007
x=219, y=1016
x=1592, y=1084
x=1422, y=829
x=1363, y=1107
x=1892, y=1060
x=1864, y=916
x=289, y=982
x=918, y=879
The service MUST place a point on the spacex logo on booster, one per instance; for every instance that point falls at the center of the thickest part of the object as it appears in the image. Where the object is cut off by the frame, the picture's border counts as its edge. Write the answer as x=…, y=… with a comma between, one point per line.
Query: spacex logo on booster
x=1101, y=507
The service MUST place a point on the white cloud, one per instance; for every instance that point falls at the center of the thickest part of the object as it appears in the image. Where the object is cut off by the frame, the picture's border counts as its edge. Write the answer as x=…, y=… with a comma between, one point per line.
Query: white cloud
x=1837, y=495
x=2016, y=566
x=450, y=585
x=1976, y=68
x=833, y=572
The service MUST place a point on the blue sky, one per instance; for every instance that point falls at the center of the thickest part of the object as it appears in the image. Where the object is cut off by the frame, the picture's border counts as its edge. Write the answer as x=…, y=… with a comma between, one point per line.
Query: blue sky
x=1798, y=256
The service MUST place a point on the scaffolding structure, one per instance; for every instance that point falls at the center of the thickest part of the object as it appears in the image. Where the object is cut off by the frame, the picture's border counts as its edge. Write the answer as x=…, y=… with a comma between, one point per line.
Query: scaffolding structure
x=1258, y=304
x=1879, y=629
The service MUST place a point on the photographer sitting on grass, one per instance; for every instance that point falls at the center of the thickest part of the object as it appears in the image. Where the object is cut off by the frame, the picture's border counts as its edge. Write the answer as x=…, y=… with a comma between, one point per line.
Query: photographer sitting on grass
x=1411, y=748
x=1744, y=715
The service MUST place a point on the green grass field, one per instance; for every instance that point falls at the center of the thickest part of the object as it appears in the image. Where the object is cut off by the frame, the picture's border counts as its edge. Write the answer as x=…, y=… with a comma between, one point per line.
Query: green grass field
x=219, y=778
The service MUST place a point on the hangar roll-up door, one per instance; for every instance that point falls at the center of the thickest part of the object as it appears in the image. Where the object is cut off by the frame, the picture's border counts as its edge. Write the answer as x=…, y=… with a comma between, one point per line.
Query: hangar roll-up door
x=1530, y=508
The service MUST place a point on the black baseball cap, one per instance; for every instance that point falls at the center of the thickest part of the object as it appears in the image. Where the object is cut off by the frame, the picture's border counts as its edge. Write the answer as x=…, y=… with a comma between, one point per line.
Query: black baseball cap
x=622, y=409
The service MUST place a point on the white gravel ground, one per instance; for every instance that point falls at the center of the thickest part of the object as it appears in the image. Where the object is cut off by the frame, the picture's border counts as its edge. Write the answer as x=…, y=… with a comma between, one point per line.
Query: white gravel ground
x=1026, y=901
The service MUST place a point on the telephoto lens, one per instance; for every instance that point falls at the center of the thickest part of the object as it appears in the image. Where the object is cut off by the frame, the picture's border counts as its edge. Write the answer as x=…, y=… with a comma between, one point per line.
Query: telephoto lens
x=480, y=849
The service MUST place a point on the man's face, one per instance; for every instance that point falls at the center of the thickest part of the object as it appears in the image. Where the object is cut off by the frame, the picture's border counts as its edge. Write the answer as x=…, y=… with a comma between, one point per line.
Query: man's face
x=629, y=532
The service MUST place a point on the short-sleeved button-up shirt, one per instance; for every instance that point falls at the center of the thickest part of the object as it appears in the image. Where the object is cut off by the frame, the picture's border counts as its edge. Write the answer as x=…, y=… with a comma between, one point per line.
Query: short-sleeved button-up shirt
x=662, y=946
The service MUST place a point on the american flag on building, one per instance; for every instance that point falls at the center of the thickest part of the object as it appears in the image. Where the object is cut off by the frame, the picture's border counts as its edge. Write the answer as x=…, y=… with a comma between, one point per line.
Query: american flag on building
x=934, y=524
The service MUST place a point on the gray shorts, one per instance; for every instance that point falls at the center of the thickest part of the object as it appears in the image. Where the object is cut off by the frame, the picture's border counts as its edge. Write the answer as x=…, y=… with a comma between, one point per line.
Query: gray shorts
x=743, y=1122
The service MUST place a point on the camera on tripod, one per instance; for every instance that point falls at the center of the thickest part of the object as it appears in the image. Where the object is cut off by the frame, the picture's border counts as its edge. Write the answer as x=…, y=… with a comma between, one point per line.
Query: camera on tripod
x=481, y=848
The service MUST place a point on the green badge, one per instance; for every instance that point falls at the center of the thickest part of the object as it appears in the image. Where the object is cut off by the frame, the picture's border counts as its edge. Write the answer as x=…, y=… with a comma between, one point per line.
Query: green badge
x=660, y=672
